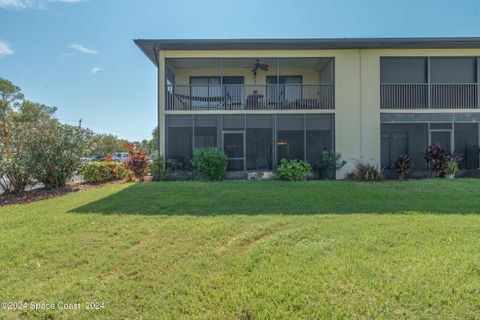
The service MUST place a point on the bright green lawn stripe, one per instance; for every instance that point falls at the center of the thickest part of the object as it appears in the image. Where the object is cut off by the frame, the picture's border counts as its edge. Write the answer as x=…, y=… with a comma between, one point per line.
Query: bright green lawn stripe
x=249, y=250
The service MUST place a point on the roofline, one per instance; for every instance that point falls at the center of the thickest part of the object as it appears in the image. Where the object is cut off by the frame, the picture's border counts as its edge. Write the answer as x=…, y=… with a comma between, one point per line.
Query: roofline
x=151, y=46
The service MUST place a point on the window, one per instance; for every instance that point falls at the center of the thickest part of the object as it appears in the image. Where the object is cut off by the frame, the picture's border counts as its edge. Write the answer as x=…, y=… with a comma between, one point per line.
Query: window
x=289, y=88
x=205, y=92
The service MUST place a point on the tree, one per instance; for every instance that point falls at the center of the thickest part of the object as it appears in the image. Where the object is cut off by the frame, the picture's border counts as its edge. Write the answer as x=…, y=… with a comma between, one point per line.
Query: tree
x=107, y=143
x=10, y=97
x=32, y=112
x=153, y=143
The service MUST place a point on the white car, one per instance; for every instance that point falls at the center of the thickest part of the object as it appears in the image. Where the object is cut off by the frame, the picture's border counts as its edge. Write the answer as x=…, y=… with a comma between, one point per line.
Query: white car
x=119, y=156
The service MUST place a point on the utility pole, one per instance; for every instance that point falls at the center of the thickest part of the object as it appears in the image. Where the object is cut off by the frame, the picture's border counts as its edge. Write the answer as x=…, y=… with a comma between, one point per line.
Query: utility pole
x=80, y=123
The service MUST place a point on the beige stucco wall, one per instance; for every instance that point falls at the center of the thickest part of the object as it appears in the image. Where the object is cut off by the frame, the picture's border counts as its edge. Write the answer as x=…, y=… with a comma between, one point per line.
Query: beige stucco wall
x=357, y=92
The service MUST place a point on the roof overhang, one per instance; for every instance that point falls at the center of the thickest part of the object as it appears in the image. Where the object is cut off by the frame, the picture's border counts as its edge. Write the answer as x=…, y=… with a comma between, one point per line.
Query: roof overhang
x=150, y=46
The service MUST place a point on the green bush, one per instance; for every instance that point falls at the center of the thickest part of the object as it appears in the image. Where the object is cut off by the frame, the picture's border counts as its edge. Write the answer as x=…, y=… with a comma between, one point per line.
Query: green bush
x=209, y=164
x=17, y=141
x=293, y=170
x=329, y=164
x=58, y=154
x=100, y=171
x=158, y=169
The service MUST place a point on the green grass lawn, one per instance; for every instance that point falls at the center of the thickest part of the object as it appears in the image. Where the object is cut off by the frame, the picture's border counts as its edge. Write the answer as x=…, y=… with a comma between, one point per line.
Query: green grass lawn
x=248, y=250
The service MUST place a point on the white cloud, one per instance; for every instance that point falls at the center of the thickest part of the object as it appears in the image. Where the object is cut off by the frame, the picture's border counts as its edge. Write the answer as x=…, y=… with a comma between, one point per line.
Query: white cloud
x=82, y=49
x=16, y=4
x=95, y=70
x=5, y=49
x=31, y=4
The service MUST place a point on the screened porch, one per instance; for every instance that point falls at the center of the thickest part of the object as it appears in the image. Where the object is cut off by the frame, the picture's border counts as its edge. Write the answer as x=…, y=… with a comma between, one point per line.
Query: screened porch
x=250, y=84
x=251, y=142
x=411, y=134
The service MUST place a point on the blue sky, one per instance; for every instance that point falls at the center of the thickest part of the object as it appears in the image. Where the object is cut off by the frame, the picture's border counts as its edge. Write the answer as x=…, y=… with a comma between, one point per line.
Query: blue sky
x=79, y=55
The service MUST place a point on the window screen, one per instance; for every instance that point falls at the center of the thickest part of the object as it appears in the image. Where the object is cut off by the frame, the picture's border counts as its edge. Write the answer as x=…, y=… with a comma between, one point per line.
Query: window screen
x=453, y=70
x=403, y=70
x=259, y=142
x=290, y=137
x=319, y=136
x=205, y=131
x=179, y=139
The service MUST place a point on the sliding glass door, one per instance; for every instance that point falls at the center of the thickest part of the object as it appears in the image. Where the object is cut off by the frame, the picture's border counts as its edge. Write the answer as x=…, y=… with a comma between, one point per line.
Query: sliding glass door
x=205, y=92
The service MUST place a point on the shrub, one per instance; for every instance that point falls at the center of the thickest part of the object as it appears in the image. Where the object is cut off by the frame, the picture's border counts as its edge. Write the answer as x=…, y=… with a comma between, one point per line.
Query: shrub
x=209, y=164
x=137, y=162
x=403, y=166
x=59, y=152
x=452, y=167
x=437, y=158
x=365, y=172
x=329, y=164
x=293, y=170
x=158, y=169
x=175, y=165
x=100, y=171
x=17, y=142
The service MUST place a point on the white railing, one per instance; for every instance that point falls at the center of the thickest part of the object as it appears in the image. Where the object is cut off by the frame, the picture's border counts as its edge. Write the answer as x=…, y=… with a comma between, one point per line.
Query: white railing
x=250, y=97
x=429, y=95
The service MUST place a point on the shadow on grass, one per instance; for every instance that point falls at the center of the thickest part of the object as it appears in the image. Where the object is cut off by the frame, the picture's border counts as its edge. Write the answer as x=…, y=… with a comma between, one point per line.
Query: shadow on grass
x=273, y=197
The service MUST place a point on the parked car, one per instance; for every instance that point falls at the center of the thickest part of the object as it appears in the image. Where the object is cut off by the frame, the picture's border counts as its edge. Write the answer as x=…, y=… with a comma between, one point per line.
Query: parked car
x=98, y=157
x=119, y=156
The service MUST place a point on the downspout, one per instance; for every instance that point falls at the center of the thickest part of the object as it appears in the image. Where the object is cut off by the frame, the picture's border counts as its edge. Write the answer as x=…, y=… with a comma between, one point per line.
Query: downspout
x=360, y=89
x=156, y=53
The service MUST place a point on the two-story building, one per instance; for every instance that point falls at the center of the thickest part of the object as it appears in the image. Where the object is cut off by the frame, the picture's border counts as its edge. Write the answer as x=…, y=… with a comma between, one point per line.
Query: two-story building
x=370, y=99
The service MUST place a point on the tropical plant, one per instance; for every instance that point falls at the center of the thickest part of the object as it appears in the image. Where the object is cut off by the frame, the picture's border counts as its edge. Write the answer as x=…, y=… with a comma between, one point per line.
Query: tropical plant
x=137, y=162
x=100, y=171
x=403, y=166
x=451, y=168
x=437, y=158
x=209, y=164
x=330, y=163
x=365, y=171
x=293, y=170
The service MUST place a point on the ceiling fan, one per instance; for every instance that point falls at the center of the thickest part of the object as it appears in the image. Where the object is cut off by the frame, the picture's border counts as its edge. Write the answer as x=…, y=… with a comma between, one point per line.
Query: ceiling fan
x=258, y=66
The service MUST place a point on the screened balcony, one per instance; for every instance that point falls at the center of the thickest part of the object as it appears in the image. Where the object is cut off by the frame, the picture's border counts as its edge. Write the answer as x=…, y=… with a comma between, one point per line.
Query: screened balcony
x=250, y=84
x=429, y=83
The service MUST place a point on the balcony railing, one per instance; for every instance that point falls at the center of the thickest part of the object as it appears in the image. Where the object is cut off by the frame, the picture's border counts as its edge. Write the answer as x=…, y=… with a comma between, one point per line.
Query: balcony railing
x=429, y=95
x=250, y=97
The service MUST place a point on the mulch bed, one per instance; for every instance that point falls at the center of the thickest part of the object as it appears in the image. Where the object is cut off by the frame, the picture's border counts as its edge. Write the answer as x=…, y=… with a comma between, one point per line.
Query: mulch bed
x=42, y=193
